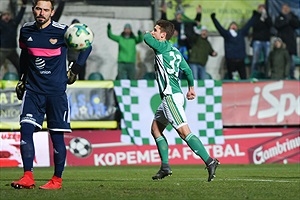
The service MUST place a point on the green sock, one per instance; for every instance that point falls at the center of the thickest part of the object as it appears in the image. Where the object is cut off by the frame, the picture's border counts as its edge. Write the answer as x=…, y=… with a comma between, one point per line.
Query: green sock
x=163, y=149
x=196, y=145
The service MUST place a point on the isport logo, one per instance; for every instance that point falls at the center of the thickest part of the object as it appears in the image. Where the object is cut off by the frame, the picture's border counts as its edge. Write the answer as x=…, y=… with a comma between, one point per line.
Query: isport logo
x=276, y=150
x=279, y=103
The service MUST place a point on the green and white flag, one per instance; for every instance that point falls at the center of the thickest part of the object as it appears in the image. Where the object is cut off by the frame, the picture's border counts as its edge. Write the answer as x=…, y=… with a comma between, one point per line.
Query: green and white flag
x=138, y=101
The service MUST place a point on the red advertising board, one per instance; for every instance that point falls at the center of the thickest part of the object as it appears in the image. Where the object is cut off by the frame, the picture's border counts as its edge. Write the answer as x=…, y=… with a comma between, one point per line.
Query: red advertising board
x=261, y=103
x=276, y=150
x=83, y=144
x=242, y=146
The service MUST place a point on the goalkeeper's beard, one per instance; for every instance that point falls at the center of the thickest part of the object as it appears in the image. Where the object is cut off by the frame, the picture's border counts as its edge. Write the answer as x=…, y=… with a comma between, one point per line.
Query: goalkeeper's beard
x=40, y=20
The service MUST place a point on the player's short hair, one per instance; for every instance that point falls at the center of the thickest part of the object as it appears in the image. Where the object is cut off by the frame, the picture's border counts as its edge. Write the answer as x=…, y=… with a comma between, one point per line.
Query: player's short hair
x=166, y=26
x=34, y=2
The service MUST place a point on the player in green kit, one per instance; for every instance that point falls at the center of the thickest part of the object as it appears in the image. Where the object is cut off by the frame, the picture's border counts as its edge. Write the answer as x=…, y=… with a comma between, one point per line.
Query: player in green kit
x=168, y=62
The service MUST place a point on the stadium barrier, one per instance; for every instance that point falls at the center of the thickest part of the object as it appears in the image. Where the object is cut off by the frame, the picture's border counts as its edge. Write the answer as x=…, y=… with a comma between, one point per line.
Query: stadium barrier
x=92, y=105
x=274, y=104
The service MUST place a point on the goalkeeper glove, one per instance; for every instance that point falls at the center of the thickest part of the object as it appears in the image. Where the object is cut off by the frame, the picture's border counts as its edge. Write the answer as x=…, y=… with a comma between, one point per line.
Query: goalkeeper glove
x=72, y=73
x=20, y=88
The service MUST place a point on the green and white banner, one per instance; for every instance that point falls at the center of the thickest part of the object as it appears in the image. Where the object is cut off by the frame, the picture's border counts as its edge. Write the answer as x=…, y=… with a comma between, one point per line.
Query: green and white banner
x=138, y=101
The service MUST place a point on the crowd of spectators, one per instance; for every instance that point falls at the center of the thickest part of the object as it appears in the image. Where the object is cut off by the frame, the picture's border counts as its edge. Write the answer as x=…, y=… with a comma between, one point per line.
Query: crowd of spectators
x=269, y=60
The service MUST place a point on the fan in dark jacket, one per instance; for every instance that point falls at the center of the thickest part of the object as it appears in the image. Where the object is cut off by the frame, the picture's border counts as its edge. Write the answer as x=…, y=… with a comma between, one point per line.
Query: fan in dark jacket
x=261, y=36
x=235, y=48
x=286, y=24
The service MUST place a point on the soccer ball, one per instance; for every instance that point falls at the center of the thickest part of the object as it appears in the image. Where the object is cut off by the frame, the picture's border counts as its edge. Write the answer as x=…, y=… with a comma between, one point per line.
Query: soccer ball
x=79, y=36
x=80, y=147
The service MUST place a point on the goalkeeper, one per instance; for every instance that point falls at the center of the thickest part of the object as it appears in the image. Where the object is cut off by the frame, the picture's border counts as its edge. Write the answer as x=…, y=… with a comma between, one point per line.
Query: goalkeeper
x=168, y=61
x=42, y=89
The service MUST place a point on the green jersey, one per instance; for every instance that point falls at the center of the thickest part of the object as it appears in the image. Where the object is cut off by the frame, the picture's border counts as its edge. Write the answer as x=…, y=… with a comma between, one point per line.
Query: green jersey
x=168, y=62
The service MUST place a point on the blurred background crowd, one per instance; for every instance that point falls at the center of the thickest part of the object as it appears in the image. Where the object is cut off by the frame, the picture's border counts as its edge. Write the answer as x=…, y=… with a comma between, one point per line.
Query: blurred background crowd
x=228, y=40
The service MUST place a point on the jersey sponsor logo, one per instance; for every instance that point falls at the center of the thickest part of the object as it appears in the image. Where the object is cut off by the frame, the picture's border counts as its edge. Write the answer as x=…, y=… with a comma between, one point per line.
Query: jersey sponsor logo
x=45, y=72
x=40, y=63
x=29, y=39
x=53, y=41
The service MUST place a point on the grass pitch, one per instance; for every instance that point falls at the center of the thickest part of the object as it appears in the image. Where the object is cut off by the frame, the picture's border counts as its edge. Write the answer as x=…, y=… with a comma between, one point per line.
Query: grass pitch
x=269, y=181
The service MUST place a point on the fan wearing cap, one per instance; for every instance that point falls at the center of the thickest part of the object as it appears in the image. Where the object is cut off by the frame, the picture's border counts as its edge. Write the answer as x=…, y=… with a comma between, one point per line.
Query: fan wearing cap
x=279, y=61
x=201, y=49
x=127, y=42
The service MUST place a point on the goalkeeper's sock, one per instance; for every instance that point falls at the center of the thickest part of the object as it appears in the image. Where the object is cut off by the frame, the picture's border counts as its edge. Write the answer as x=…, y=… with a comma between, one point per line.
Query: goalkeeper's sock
x=196, y=145
x=59, y=149
x=163, y=149
x=27, y=146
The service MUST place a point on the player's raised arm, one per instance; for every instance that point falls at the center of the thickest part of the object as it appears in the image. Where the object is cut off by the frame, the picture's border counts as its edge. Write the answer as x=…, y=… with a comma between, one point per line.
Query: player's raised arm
x=150, y=40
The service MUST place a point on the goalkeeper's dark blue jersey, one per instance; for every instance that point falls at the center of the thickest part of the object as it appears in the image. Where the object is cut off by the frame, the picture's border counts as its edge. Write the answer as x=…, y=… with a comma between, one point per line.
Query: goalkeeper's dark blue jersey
x=43, y=58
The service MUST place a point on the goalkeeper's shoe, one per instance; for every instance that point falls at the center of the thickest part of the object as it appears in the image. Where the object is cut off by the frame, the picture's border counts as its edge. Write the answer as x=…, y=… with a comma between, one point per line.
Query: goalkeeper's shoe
x=25, y=182
x=162, y=173
x=212, y=167
x=54, y=184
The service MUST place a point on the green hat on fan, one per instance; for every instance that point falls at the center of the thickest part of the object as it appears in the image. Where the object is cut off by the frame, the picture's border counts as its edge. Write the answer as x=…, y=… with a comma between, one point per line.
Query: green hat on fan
x=127, y=26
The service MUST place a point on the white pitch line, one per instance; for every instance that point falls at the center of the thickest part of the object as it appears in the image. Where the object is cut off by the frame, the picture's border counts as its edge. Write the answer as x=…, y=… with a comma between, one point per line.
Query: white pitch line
x=114, y=144
x=252, y=135
x=103, y=145
x=260, y=180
